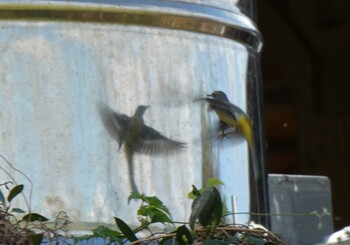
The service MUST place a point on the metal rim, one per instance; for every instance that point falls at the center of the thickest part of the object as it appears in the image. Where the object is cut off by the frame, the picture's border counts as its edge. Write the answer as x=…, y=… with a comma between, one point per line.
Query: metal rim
x=153, y=13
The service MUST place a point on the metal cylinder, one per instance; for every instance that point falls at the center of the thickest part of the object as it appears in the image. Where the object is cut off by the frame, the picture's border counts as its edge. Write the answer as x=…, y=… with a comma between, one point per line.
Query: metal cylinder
x=60, y=58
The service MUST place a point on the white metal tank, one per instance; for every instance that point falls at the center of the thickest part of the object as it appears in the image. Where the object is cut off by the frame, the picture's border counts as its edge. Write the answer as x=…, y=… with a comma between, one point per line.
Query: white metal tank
x=60, y=58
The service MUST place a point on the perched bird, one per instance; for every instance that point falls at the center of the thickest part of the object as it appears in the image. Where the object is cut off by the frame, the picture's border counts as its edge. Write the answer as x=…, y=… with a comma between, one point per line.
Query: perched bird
x=136, y=136
x=231, y=116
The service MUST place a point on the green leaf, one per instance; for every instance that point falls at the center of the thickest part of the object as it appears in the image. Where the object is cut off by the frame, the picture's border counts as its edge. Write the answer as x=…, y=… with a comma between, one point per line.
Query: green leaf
x=31, y=217
x=2, y=198
x=36, y=239
x=214, y=242
x=218, y=207
x=206, y=215
x=125, y=229
x=17, y=210
x=183, y=235
x=154, y=201
x=161, y=217
x=194, y=193
x=214, y=181
x=105, y=232
x=164, y=209
x=195, y=212
x=14, y=192
x=154, y=214
x=101, y=232
x=202, y=208
x=190, y=195
x=325, y=211
x=146, y=211
x=136, y=196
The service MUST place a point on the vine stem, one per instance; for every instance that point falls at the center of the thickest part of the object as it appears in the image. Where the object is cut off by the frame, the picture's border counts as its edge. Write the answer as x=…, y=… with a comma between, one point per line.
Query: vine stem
x=151, y=239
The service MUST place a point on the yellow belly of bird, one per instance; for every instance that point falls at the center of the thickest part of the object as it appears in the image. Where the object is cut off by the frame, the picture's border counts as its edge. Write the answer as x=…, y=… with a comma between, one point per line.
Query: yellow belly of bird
x=242, y=123
x=228, y=119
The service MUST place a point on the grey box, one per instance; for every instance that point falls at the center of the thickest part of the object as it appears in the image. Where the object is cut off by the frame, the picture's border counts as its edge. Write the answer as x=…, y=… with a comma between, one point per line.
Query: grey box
x=294, y=198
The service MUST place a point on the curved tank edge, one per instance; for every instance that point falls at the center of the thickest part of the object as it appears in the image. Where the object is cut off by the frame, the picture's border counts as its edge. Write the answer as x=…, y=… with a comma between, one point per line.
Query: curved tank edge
x=154, y=13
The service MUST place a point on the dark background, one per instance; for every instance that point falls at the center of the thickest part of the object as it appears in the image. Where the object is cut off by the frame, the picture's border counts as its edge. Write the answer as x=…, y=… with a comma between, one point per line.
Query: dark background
x=305, y=68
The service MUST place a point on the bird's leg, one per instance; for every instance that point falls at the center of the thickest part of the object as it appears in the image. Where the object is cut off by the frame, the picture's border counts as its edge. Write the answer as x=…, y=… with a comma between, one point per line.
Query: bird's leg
x=222, y=127
x=222, y=134
x=221, y=130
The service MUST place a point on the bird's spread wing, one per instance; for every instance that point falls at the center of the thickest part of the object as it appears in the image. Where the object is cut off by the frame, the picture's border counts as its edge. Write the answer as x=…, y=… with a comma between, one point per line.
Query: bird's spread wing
x=115, y=123
x=225, y=109
x=152, y=143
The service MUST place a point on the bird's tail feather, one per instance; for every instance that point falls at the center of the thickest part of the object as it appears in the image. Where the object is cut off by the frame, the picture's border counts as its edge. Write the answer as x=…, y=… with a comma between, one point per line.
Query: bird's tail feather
x=254, y=159
x=129, y=159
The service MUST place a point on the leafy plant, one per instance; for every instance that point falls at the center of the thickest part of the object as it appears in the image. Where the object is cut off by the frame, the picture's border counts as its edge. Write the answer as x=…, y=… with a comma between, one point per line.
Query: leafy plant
x=206, y=223
x=211, y=183
x=207, y=208
x=151, y=210
x=15, y=231
x=11, y=232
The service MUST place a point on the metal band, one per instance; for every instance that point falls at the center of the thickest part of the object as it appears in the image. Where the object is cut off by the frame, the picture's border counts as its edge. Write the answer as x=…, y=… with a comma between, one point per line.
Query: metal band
x=153, y=13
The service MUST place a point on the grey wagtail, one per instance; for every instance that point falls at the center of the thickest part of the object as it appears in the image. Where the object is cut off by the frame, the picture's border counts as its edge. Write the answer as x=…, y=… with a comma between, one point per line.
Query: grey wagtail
x=136, y=136
x=231, y=115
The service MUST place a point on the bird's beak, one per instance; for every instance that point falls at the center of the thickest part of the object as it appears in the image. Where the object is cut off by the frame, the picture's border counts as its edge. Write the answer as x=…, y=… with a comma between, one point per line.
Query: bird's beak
x=209, y=95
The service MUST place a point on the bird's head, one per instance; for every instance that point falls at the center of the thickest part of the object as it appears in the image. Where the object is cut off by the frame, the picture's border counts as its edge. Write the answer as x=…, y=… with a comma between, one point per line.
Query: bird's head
x=218, y=95
x=141, y=110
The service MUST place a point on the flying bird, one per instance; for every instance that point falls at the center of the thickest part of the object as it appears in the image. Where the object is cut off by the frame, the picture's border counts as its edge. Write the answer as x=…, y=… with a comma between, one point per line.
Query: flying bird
x=231, y=116
x=135, y=136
